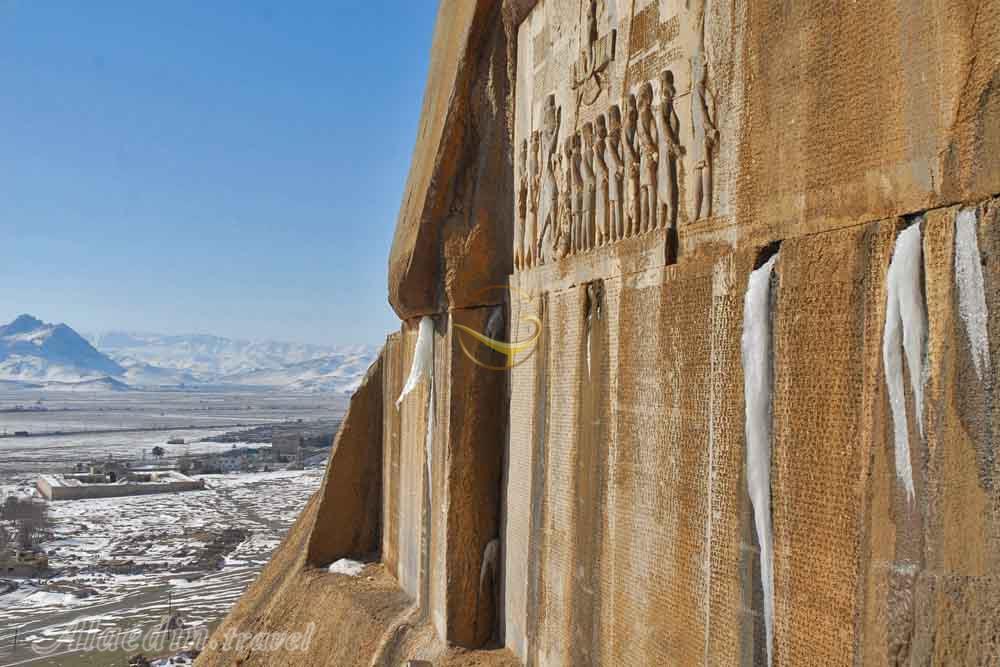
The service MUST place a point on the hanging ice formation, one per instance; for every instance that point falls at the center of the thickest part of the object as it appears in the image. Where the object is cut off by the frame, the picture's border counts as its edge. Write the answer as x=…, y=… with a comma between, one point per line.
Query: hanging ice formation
x=904, y=337
x=757, y=371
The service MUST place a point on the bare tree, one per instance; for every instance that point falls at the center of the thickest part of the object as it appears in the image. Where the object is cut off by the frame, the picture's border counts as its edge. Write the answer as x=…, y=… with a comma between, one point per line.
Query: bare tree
x=30, y=519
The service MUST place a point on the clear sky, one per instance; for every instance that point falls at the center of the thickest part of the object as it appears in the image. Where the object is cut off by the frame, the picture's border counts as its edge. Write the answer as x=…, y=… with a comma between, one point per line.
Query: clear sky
x=232, y=167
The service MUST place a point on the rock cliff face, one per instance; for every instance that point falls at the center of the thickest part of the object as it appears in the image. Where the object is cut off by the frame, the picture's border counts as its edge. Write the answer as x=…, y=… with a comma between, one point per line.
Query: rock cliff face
x=353, y=482
x=453, y=236
x=581, y=496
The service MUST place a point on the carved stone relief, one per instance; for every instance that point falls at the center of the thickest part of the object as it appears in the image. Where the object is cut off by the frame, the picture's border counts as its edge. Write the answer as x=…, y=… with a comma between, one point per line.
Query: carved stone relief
x=616, y=170
x=705, y=138
x=550, y=190
x=521, y=221
x=646, y=134
x=624, y=140
x=534, y=180
x=601, y=175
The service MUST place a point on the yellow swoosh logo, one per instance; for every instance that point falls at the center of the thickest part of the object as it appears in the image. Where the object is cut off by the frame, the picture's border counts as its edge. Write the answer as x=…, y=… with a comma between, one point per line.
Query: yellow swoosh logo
x=509, y=350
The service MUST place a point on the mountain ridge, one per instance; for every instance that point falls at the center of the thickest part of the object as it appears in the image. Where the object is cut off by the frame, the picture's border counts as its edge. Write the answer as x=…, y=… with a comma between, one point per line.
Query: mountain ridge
x=33, y=351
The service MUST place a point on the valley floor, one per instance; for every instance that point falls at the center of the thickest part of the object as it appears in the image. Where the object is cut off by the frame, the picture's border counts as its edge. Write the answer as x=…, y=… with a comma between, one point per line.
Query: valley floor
x=121, y=564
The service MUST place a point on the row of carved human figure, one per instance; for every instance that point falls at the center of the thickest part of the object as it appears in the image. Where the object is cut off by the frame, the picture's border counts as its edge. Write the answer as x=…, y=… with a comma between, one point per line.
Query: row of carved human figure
x=614, y=178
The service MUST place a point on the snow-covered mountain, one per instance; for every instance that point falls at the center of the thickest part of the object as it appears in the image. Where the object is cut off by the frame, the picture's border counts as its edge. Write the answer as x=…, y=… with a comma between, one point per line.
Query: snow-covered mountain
x=203, y=355
x=217, y=360
x=337, y=372
x=32, y=351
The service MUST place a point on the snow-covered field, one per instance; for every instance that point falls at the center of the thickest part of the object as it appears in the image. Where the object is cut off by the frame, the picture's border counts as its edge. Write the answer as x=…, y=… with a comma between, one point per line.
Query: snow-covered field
x=161, y=537
x=122, y=563
x=151, y=418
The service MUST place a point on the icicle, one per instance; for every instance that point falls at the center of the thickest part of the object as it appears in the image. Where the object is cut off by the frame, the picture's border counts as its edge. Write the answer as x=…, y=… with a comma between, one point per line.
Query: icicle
x=423, y=355
x=757, y=394
x=972, y=291
x=429, y=438
x=904, y=335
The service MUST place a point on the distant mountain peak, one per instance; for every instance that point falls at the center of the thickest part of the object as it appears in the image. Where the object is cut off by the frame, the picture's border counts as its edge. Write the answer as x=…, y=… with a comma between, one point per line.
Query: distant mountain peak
x=28, y=319
x=31, y=349
x=22, y=324
x=217, y=360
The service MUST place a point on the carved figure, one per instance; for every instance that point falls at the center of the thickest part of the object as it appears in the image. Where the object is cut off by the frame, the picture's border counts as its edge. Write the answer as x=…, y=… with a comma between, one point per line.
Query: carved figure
x=595, y=54
x=531, y=251
x=589, y=185
x=706, y=136
x=615, y=167
x=572, y=151
x=522, y=207
x=591, y=25
x=563, y=242
x=669, y=148
x=647, y=158
x=552, y=118
x=631, y=157
x=603, y=175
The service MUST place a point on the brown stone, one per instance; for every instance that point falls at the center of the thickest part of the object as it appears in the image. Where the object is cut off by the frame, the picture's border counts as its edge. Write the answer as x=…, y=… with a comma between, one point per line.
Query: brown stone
x=611, y=463
x=855, y=113
x=474, y=432
x=453, y=236
x=365, y=620
x=349, y=517
x=438, y=554
x=288, y=596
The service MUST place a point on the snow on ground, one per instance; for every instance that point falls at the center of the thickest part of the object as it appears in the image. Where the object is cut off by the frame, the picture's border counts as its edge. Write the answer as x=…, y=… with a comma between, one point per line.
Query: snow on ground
x=48, y=453
x=162, y=535
x=351, y=568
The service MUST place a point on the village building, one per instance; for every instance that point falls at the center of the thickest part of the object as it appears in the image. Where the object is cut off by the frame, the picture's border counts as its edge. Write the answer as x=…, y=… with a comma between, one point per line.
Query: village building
x=112, y=481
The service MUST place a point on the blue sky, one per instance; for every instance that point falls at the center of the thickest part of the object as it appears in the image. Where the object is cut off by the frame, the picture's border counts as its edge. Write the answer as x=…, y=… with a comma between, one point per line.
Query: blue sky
x=222, y=167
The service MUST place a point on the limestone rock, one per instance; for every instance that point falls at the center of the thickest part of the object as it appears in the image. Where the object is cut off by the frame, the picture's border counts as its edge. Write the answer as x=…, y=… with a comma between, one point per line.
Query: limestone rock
x=350, y=510
x=333, y=620
x=453, y=236
x=860, y=112
x=610, y=466
x=288, y=596
x=476, y=425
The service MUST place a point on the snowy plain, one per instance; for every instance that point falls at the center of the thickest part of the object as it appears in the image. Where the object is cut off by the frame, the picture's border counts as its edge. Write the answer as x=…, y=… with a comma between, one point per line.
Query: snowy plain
x=161, y=534
x=122, y=563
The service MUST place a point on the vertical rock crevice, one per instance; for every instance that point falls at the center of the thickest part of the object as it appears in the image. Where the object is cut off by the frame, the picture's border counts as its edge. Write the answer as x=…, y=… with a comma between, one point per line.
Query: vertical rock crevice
x=590, y=474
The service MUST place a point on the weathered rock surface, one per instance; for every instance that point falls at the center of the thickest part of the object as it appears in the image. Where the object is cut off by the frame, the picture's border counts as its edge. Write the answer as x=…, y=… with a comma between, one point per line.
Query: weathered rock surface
x=474, y=440
x=289, y=596
x=365, y=620
x=350, y=512
x=610, y=463
x=857, y=113
x=453, y=236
